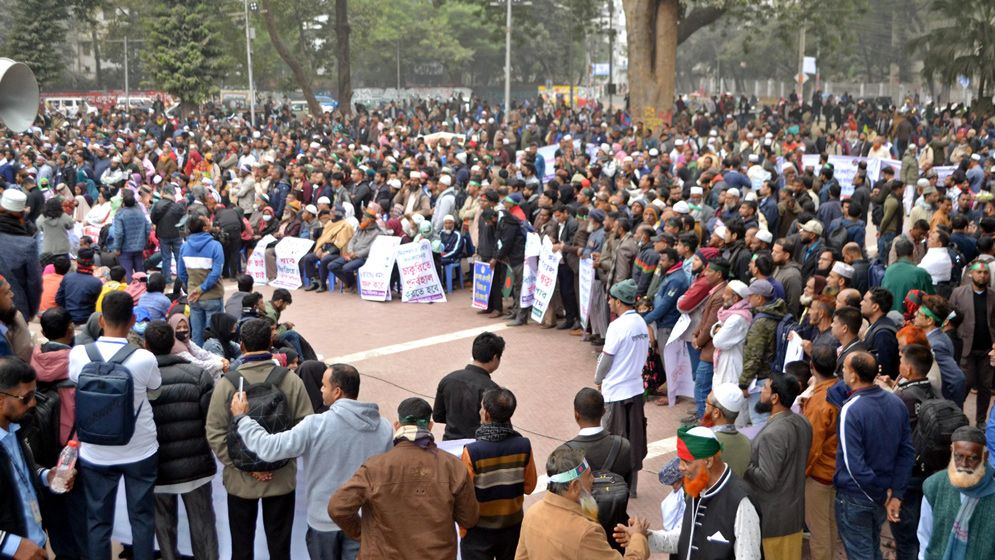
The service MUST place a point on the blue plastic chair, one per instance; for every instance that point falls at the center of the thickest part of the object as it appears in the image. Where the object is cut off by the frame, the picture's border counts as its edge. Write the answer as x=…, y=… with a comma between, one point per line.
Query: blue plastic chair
x=449, y=268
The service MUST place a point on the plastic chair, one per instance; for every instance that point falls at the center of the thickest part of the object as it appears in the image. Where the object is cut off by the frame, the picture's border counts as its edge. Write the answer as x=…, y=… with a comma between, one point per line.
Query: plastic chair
x=449, y=268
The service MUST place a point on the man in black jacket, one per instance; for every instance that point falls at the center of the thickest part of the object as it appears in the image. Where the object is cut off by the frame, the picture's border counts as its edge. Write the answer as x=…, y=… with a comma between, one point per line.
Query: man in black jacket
x=165, y=216
x=21, y=481
x=511, y=252
x=186, y=464
x=487, y=251
x=457, y=399
x=567, y=239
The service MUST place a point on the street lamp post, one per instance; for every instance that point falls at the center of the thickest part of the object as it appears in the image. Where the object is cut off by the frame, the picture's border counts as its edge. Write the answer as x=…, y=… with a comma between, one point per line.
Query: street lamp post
x=248, y=62
x=507, y=65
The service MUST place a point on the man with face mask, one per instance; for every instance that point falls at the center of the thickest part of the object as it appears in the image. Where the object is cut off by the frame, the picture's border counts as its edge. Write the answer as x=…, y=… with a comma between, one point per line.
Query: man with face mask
x=564, y=526
x=953, y=522
x=719, y=521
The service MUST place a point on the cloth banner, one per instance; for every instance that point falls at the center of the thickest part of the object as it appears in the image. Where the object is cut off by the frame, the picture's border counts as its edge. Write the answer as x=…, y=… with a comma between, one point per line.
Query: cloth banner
x=533, y=245
x=545, y=284
x=289, y=252
x=256, y=265
x=529, y=273
x=374, y=275
x=419, y=279
x=586, y=281
x=483, y=277
x=677, y=363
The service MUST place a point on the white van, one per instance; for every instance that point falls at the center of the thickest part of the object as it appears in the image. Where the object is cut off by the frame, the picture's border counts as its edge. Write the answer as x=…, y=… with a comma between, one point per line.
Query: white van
x=67, y=106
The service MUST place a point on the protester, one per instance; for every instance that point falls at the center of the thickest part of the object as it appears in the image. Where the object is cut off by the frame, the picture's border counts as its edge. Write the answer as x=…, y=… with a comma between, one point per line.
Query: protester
x=619, y=375
x=186, y=466
x=246, y=489
x=502, y=467
x=19, y=253
x=872, y=466
x=406, y=517
x=458, y=396
x=761, y=346
x=333, y=444
x=931, y=316
x=131, y=234
x=103, y=466
x=955, y=501
x=776, y=473
x=199, y=269
x=820, y=466
x=975, y=302
x=718, y=502
x=722, y=408
x=564, y=526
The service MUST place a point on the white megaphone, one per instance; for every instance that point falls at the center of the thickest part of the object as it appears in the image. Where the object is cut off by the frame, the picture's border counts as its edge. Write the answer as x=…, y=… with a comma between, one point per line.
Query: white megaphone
x=18, y=95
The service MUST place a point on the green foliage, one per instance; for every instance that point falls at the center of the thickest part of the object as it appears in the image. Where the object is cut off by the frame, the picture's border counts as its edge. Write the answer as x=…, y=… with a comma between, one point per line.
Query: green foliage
x=183, y=53
x=962, y=44
x=36, y=37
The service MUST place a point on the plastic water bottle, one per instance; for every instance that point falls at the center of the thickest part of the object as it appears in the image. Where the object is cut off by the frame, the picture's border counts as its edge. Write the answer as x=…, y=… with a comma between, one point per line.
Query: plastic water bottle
x=64, y=468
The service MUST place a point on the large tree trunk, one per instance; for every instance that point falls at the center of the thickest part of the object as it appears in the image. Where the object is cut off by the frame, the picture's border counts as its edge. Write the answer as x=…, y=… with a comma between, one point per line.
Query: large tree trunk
x=654, y=28
x=342, y=58
x=300, y=76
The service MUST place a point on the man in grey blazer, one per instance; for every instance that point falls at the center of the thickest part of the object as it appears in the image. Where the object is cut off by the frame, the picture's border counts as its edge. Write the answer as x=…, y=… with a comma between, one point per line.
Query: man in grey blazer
x=975, y=302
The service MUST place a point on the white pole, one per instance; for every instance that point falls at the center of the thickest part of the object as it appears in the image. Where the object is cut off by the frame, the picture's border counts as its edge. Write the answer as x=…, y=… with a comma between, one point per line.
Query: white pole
x=507, y=65
x=248, y=61
x=127, y=90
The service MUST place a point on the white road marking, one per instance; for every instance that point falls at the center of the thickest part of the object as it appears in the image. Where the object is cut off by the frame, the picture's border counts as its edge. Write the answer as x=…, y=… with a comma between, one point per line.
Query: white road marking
x=414, y=344
x=653, y=450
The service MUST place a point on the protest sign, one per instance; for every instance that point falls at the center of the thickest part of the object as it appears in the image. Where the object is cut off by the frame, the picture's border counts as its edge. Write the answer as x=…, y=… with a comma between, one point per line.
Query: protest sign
x=419, y=280
x=483, y=276
x=533, y=245
x=529, y=272
x=549, y=263
x=677, y=362
x=289, y=252
x=256, y=265
x=586, y=282
x=374, y=275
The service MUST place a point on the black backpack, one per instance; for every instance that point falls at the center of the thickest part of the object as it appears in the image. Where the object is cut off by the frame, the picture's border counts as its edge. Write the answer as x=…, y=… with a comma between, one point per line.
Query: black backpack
x=105, y=399
x=938, y=418
x=610, y=491
x=269, y=407
x=838, y=237
x=43, y=424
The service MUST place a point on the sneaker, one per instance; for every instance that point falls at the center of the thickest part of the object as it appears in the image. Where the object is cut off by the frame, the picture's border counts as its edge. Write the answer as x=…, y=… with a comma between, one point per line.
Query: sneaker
x=314, y=286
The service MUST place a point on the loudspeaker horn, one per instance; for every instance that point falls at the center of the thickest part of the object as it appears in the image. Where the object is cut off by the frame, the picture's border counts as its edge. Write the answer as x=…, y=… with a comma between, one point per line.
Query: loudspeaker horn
x=19, y=95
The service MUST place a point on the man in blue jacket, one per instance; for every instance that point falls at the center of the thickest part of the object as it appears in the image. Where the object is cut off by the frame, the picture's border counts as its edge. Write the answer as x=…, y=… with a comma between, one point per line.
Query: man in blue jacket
x=131, y=234
x=199, y=268
x=672, y=287
x=873, y=460
x=930, y=318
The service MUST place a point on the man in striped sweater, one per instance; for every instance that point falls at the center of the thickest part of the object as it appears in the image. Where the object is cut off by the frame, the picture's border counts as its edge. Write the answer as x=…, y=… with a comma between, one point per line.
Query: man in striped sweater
x=503, y=470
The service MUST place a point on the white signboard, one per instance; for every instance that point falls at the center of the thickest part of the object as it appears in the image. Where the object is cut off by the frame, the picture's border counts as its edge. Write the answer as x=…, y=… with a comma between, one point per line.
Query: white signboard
x=419, y=280
x=289, y=252
x=549, y=263
x=374, y=275
x=256, y=265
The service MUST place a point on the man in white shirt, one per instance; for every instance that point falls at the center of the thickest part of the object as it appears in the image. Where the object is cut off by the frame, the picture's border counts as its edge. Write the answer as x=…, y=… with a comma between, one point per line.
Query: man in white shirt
x=102, y=466
x=620, y=374
x=937, y=259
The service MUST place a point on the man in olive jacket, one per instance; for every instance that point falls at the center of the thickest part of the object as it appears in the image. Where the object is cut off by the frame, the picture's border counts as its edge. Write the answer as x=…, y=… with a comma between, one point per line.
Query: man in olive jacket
x=246, y=489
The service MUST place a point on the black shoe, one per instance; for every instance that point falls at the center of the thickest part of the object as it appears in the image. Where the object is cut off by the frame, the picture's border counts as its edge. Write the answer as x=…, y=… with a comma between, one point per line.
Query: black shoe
x=314, y=286
x=565, y=325
x=597, y=341
x=517, y=323
x=321, y=288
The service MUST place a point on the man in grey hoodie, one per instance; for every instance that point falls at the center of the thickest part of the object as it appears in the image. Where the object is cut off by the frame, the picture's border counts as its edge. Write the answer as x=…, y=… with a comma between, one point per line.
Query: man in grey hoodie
x=334, y=444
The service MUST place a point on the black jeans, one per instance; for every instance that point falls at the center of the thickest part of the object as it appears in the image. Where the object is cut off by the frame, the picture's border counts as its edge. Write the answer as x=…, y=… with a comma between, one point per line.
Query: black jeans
x=904, y=532
x=496, y=302
x=278, y=521
x=490, y=544
x=233, y=256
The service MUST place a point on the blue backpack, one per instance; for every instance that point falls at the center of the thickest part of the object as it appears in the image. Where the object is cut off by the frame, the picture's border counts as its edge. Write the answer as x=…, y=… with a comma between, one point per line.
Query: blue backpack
x=105, y=399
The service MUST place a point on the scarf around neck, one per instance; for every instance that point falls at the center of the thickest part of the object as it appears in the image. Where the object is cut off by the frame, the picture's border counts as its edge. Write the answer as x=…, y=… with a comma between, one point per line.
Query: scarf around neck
x=957, y=544
x=415, y=434
x=495, y=432
x=741, y=308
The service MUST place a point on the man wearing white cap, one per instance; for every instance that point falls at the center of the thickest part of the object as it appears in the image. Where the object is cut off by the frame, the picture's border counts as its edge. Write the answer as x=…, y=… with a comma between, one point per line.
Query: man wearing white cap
x=245, y=194
x=413, y=198
x=762, y=241
x=840, y=276
x=701, y=213
x=722, y=408
x=729, y=332
x=19, y=253
x=811, y=236
x=445, y=202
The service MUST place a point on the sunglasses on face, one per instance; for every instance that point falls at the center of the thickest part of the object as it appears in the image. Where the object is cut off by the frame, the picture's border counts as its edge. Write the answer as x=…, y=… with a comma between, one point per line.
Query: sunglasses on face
x=25, y=399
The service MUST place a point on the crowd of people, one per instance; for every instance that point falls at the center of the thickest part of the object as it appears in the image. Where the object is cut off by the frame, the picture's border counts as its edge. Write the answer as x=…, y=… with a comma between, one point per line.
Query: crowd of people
x=836, y=335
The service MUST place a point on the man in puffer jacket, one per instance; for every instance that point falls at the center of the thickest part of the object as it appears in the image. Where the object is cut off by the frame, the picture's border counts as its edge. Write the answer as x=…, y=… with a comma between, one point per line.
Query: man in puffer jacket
x=199, y=269
x=186, y=464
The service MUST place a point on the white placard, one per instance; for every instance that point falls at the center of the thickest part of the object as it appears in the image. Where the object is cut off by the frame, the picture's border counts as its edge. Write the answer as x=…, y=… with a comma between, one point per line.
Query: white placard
x=586, y=282
x=419, y=280
x=549, y=263
x=256, y=265
x=289, y=252
x=374, y=275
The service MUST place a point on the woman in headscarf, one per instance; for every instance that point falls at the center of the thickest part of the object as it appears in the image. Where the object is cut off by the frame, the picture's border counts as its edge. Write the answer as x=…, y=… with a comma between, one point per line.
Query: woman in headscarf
x=220, y=335
x=85, y=185
x=189, y=351
x=55, y=226
x=312, y=372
